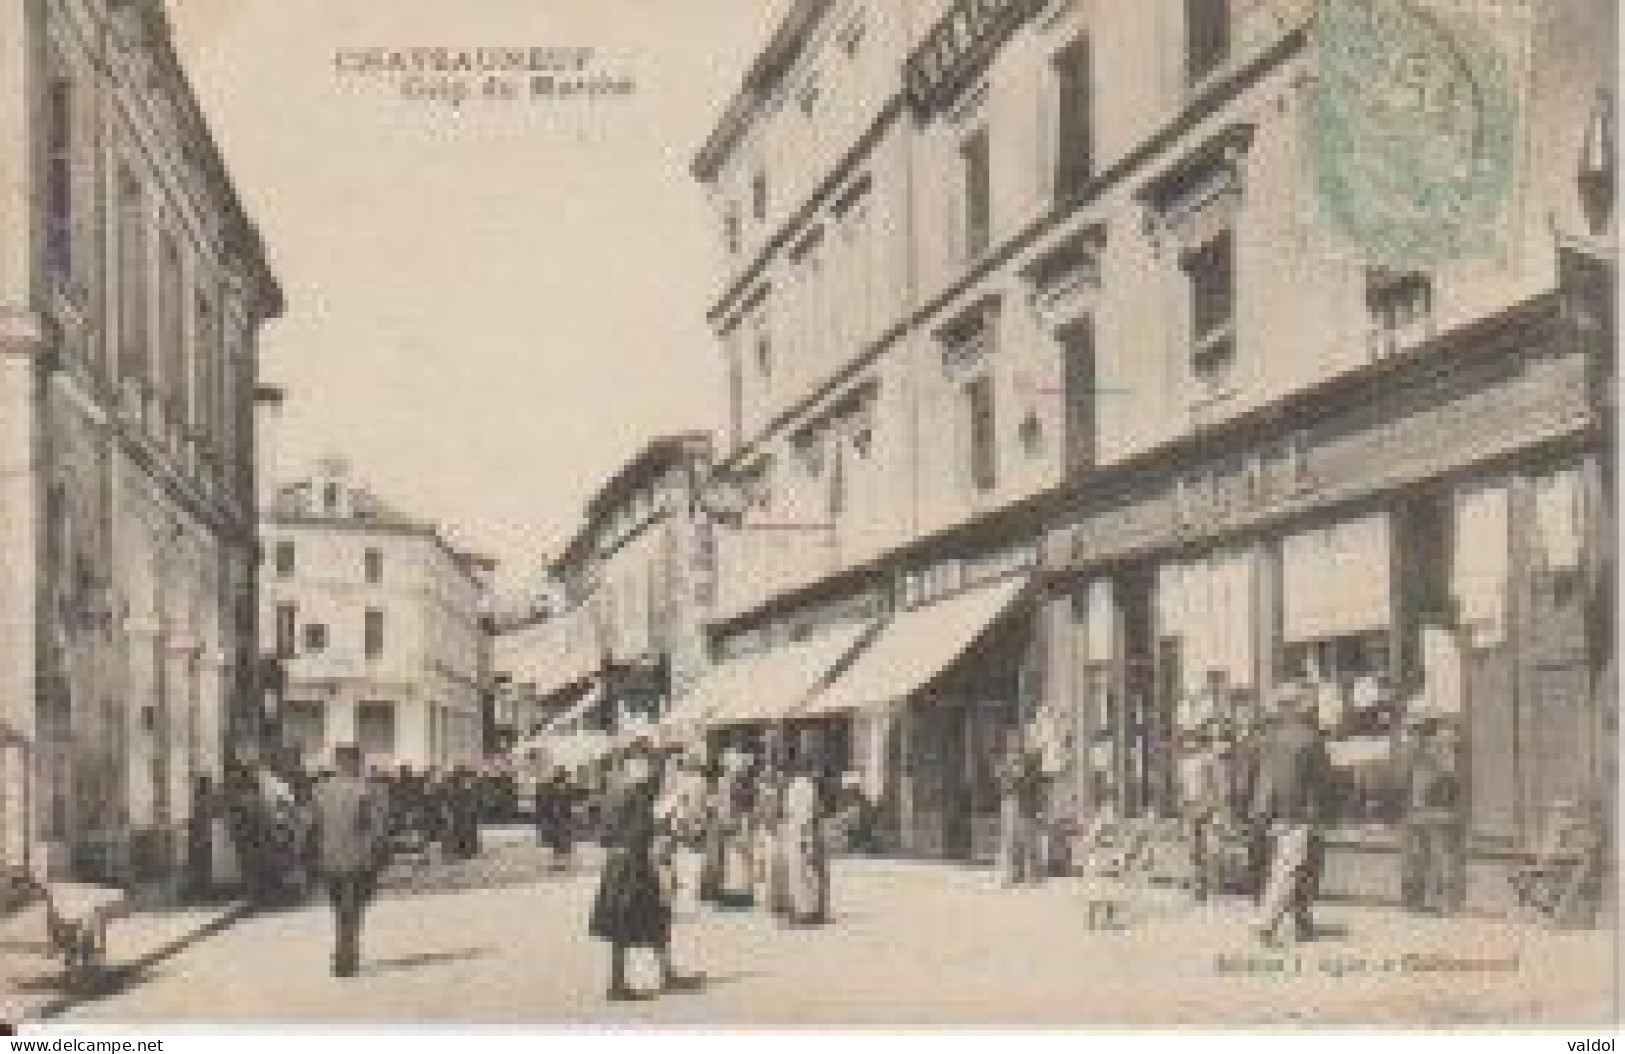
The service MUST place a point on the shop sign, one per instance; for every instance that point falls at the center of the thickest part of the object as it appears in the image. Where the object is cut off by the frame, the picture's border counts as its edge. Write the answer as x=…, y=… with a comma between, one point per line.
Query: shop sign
x=959, y=47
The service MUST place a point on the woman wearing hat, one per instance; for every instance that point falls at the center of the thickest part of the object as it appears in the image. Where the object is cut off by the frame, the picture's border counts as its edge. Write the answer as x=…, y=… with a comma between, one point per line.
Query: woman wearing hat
x=630, y=910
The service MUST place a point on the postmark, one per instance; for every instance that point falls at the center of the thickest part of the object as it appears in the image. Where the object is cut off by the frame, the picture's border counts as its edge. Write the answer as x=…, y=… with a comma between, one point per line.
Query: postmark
x=1414, y=127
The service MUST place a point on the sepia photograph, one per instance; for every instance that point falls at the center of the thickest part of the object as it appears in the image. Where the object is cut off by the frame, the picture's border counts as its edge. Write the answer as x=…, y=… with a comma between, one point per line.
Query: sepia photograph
x=605, y=516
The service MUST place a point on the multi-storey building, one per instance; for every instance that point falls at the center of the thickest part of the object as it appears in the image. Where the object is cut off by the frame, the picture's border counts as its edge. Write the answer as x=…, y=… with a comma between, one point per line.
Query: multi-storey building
x=1145, y=423
x=377, y=622
x=132, y=289
x=619, y=635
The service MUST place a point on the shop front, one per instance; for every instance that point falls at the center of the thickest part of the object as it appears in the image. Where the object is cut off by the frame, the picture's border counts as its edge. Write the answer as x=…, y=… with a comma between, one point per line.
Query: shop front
x=1426, y=544
x=927, y=703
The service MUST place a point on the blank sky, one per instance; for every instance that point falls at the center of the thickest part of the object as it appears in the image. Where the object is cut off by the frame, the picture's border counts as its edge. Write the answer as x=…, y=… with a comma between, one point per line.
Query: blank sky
x=488, y=308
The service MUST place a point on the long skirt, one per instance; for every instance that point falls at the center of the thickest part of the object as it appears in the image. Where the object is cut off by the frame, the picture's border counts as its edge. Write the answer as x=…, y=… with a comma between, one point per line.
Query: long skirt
x=630, y=909
x=771, y=875
x=735, y=886
x=806, y=871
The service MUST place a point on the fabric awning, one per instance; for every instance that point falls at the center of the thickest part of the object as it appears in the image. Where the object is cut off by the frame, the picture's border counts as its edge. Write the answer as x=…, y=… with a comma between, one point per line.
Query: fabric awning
x=766, y=686
x=917, y=646
x=565, y=722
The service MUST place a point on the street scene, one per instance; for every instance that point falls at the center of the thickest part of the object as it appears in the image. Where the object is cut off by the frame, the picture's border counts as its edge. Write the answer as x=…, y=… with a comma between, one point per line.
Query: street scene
x=809, y=513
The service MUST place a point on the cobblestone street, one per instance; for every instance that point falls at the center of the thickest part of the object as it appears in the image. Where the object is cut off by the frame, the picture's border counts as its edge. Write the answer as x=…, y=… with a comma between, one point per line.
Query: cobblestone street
x=913, y=944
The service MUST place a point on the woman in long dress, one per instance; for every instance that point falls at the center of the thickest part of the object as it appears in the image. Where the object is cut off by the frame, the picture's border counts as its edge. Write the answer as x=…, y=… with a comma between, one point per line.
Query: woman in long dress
x=769, y=848
x=630, y=910
x=736, y=801
x=806, y=860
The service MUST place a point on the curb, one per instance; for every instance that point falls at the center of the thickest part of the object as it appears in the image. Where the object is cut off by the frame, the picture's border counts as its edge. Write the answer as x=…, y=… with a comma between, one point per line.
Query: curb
x=61, y=1004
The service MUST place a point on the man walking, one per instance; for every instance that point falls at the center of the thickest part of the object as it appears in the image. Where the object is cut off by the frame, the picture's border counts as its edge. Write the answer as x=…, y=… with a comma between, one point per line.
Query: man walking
x=1202, y=794
x=1293, y=774
x=350, y=830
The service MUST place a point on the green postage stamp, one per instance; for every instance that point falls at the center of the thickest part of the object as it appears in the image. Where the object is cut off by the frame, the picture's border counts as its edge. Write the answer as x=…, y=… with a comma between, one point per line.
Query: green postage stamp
x=1415, y=127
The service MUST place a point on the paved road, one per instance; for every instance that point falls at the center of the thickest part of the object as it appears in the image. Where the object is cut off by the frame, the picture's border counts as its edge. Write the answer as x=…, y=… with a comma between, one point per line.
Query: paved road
x=914, y=944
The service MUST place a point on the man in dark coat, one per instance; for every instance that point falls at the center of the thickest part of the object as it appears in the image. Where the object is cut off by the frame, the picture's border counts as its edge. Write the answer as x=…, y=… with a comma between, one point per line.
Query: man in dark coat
x=1294, y=770
x=630, y=910
x=350, y=826
x=555, y=816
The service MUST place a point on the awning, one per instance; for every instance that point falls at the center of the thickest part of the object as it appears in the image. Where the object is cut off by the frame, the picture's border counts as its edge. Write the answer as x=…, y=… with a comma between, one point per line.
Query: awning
x=565, y=721
x=917, y=646
x=766, y=686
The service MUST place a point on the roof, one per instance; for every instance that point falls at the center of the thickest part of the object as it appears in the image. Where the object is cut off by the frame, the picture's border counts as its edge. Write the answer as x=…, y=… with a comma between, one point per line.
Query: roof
x=242, y=235
x=657, y=456
x=761, y=80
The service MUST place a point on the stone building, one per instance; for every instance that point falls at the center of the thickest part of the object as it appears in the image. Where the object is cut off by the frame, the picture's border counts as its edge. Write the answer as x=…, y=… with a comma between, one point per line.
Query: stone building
x=132, y=290
x=1145, y=421
x=377, y=623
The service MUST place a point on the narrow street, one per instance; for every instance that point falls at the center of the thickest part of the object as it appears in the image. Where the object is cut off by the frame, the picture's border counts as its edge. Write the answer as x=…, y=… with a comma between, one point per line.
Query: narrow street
x=914, y=944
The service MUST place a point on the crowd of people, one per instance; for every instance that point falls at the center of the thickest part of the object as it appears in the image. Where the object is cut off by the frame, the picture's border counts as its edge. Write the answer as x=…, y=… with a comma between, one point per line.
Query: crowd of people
x=754, y=832
x=755, y=829
x=258, y=831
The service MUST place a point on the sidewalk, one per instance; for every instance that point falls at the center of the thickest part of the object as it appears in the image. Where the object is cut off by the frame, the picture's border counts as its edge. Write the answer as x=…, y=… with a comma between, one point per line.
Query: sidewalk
x=31, y=978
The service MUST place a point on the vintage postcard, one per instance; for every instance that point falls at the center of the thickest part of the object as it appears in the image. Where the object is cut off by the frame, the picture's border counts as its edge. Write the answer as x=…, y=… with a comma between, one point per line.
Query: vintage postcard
x=1065, y=514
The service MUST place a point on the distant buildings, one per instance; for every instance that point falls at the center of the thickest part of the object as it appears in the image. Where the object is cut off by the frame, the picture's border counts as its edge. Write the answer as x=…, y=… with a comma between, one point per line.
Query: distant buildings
x=375, y=620
x=619, y=634
x=132, y=289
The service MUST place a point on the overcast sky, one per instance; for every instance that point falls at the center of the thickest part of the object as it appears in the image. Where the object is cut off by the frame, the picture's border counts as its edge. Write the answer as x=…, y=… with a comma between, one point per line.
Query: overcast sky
x=489, y=307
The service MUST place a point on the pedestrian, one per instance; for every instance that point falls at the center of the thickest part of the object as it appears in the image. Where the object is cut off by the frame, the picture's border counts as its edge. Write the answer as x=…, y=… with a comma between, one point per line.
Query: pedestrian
x=1245, y=762
x=1016, y=778
x=1431, y=825
x=734, y=841
x=802, y=842
x=1293, y=777
x=629, y=910
x=464, y=808
x=1202, y=801
x=767, y=845
x=350, y=822
x=554, y=814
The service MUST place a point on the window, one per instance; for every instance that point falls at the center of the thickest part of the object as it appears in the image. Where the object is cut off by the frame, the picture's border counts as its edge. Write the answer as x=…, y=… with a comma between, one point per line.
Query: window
x=978, y=396
x=852, y=36
x=764, y=354
x=1078, y=362
x=172, y=330
x=1399, y=302
x=375, y=730
x=974, y=160
x=1074, y=159
x=1207, y=37
x=304, y=726
x=730, y=228
x=134, y=361
x=206, y=357
x=810, y=93
x=287, y=616
x=330, y=497
x=315, y=637
x=1210, y=271
x=59, y=180
x=373, y=633
x=758, y=196
x=284, y=559
x=374, y=562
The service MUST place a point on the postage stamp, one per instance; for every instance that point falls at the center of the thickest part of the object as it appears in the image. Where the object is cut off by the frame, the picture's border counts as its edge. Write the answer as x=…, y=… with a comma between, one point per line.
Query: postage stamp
x=1414, y=128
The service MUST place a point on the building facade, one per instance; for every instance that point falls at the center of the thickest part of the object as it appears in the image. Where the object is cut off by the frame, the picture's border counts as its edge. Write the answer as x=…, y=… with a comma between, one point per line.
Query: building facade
x=132, y=290
x=619, y=634
x=1144, y=427
x=377, y=623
